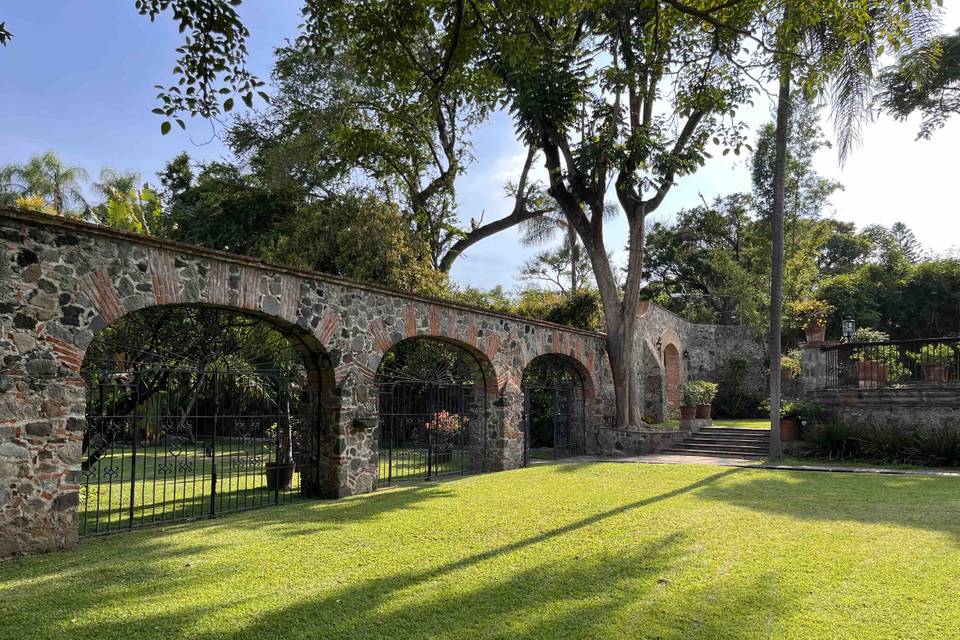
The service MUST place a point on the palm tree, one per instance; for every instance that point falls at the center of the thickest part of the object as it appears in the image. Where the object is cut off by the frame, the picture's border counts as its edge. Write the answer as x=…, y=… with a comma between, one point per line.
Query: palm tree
x=543, y=229
x=46, y=177
x=127, y=206
x=838, y=52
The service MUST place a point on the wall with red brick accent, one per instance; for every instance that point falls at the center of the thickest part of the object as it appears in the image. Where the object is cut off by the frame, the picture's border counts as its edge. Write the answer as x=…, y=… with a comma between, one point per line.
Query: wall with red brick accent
x=62, y=281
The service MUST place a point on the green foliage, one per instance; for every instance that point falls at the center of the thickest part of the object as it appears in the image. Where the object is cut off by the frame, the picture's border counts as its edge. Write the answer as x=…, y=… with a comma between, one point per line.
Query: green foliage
x=357, y=237
x=885, y=443
x=791, y=362
x=933, y=354
x=45, y=183
x=733, y=399
x=222, y=208
x=926, y=79
x=867, y=334
x=832, y=440
x=211, y=61
x=698, y=392
x=903, y=300
x=810, y=312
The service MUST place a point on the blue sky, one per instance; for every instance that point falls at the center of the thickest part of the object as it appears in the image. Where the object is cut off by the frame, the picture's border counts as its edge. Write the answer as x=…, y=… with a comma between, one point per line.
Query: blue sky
x=79, y=75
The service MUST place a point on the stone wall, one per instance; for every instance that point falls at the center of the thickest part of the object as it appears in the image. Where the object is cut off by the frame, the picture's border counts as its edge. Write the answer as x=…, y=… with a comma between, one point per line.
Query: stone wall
x=62, y=281
x=704, y=352
x=620, y=442
x=920, y=406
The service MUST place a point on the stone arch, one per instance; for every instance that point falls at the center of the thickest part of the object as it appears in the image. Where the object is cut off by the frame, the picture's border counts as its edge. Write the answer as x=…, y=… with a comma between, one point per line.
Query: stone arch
x=467, y=392
x=313, y=407
x=558, y=393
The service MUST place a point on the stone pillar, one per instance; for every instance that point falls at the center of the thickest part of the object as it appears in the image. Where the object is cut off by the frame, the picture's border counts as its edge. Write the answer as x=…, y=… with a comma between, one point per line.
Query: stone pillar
x=353, y=459
x=813, y=366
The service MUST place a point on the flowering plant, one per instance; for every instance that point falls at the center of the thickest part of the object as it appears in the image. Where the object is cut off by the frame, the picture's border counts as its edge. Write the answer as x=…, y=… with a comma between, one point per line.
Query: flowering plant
x=444, y=422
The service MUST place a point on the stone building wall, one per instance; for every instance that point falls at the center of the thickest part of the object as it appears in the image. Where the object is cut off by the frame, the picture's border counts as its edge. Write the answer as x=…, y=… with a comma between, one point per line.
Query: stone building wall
x=62, y=281
x=704, y=352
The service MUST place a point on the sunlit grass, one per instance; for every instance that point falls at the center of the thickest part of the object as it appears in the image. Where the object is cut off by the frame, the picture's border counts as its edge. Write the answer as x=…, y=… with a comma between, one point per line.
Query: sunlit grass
x=553, y=551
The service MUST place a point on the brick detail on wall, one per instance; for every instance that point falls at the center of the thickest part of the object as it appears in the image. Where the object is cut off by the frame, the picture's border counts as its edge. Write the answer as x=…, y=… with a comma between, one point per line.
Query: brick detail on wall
x=96, y=286
x=289, y=298
x=493, y=344
x=434, y=320
x=410, y=321
x=249, y=288
x=329, y=323
x=66, y=354
x=163, y=273
x=380, y=335
x=218, y=283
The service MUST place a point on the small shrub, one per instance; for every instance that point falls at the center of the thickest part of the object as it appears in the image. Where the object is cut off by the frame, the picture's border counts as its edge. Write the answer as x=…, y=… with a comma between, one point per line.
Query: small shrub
x=933, y=354
x=832, y=440
x=790, y=361
x=885, y=443
x=698, y=392
x=810, y=313
x=939, y=446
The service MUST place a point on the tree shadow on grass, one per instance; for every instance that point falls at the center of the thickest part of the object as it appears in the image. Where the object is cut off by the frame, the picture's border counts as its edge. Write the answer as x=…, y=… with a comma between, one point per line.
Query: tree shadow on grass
x=929, y=503
x=44, y=594
x=602, y=595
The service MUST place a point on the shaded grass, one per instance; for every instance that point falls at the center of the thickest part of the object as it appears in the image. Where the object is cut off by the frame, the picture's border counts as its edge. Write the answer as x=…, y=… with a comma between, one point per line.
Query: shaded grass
x=570, y=550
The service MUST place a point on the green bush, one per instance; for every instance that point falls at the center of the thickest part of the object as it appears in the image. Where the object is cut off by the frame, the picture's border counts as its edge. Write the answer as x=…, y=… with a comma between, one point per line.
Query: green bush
x=933, y=354
x=733, y=400
x=698, y=392
x=832, y=440
x=938, y=446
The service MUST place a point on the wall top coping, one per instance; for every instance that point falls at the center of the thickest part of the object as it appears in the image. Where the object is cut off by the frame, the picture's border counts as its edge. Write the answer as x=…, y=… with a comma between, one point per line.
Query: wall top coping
x=45, y=220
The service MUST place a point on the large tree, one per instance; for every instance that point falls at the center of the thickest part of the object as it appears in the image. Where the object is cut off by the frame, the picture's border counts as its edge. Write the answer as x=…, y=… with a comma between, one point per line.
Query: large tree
x=926, y=79
x=48, y=180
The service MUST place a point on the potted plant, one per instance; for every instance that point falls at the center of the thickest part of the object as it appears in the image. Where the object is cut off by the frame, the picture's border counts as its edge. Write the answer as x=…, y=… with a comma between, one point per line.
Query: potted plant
x=934, y=359
x=706, y=392
x=876, y=363
x=794, y=415
x=280, y=472
x=812, y=316
x=690, y=395
x=790, y=365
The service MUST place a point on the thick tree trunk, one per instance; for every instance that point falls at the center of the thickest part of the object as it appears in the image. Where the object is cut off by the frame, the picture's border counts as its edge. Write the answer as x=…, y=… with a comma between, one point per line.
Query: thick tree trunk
x=620, y=317
x=776, y=272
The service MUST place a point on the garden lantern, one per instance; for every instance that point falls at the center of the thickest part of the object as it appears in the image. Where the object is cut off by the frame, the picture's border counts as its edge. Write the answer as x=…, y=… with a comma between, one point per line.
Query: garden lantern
x=848, y=326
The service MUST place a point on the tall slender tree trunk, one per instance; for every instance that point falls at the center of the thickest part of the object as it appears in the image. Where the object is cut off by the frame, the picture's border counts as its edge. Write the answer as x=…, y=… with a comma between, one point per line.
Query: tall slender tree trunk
x=776, y=271
x=574, y=258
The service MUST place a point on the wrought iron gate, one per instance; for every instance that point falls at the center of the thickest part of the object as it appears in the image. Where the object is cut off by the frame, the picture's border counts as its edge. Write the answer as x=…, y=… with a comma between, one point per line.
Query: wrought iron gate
x=429, y=429
x=552, y=420
x=172, y=444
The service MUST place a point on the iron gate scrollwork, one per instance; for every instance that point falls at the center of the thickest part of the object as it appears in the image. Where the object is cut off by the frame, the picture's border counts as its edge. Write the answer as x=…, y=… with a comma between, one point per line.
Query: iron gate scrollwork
x=213, y=433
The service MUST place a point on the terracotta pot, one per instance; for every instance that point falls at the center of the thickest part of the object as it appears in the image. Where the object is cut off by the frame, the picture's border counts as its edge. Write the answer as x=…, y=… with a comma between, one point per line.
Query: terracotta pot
x=934, y=373
x=789, y=430
x=703, y=411
x=787, y=375
x=872, y=373
x=688, y=412
x=284, y=474
x=816, y=333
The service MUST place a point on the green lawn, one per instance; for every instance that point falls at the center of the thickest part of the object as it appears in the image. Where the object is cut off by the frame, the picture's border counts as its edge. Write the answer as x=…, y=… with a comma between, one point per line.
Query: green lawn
x=553, y=551
x=745, y=423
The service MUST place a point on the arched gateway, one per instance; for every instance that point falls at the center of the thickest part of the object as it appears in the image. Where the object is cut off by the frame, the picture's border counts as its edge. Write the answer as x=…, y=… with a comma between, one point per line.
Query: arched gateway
x=63, y=282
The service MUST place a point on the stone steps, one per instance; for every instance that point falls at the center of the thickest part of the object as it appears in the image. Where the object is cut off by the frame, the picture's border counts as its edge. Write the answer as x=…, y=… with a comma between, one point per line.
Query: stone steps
x=724, y=442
